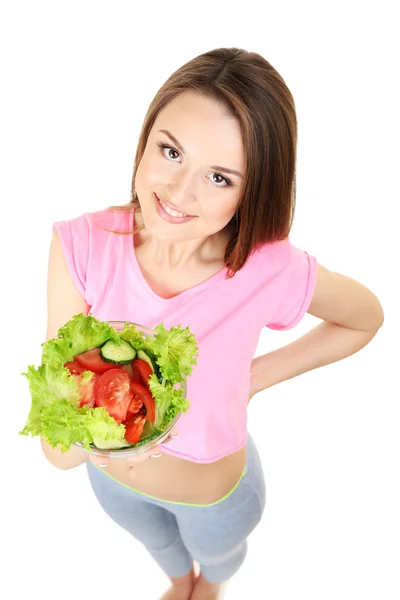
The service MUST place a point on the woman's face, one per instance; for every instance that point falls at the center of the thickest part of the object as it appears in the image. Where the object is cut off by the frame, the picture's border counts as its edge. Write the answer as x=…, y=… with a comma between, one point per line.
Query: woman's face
x=187, y=174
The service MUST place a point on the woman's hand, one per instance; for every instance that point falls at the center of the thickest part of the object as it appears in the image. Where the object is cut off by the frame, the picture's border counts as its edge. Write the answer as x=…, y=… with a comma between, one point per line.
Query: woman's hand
x=153, y=452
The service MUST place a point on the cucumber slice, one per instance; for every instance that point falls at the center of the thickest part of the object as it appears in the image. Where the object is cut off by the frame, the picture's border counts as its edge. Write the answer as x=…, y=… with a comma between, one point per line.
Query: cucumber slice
x=143, y=356
x=117, y=353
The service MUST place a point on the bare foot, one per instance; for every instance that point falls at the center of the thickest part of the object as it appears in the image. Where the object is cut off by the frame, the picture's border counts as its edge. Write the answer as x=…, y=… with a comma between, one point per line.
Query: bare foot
x=204, y=590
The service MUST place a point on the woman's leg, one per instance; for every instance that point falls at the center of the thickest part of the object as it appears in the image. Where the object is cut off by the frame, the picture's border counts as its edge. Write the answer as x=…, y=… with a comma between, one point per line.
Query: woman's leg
x=155, y=527
x=216, y=535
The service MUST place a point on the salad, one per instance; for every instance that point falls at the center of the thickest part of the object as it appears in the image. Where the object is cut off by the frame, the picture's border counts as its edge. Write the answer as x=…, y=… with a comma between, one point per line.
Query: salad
x=99, y=387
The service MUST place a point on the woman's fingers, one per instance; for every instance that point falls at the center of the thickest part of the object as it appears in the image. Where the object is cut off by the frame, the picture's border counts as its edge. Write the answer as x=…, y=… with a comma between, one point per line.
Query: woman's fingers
x=173, y=435
x=99, y=461
x=138, y=458
x=154, y=451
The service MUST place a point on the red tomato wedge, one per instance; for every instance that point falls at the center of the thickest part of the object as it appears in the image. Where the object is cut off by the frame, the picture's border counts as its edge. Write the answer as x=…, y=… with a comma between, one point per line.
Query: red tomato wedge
x=143, y=394
x=133, y=374
x=112, y=390
x=86, y=391
x=144, y=370
x=74, y=367
x=93, y=361
x=134, y=428
x=135, y=405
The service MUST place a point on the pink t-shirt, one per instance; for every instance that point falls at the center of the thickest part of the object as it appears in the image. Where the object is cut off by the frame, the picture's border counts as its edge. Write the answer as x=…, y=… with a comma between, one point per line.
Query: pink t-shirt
x=273, y=289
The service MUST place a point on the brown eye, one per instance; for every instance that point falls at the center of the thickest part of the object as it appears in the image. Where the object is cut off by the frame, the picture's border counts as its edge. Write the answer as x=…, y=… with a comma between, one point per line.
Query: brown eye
x=218, y=175
x=172, y=150
x=222, y=179
x=169, y=149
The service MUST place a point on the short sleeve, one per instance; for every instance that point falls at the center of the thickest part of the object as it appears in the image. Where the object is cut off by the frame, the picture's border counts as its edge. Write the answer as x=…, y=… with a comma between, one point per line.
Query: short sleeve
x=75, y=236
x=299, y=280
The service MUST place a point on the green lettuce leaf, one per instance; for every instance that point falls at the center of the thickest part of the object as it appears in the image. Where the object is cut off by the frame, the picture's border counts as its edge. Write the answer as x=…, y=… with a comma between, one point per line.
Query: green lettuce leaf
x=47, y=385
x=80, y=334
x=176, y=349
x=64, y=424
x=104, y=429
x=135, y=337
x=169, y=401
x=169, y=416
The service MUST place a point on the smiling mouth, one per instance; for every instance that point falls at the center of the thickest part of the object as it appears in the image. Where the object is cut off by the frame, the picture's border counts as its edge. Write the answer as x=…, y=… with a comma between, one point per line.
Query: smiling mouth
x=171, y=211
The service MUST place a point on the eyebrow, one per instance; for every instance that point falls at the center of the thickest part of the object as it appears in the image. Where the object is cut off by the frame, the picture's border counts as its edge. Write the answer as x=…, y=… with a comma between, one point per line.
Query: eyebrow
x=181, y=149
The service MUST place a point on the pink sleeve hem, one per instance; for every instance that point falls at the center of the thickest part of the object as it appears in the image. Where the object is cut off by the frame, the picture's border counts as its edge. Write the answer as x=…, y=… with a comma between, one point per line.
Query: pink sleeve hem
x=311, y=282
x=58, y=227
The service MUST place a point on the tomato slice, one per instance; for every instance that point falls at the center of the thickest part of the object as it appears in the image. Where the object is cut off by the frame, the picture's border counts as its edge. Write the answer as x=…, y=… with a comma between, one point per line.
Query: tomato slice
x=144, y=395
x=112, y=390
x=86, y=391
x=135, y=405
x=134, y=428
x=74, y=367
x=144, y=370
x=93, y=361
x=133, y=374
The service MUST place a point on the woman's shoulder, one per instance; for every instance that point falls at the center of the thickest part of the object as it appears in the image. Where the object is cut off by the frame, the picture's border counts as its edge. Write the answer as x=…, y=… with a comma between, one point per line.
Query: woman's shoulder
x=276, y=258
x=92, y=227
x=113, y=219
x=273, y=252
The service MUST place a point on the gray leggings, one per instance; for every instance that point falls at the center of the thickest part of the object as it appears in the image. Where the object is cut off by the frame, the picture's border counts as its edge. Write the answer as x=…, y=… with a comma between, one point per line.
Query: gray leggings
x=175, y=534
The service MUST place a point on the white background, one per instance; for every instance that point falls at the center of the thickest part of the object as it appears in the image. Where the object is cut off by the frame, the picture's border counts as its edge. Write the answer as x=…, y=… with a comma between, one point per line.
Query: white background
x=77, y=78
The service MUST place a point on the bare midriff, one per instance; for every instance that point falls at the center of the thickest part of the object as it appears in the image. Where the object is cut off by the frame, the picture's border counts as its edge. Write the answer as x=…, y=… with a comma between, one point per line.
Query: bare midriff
x=177, y=480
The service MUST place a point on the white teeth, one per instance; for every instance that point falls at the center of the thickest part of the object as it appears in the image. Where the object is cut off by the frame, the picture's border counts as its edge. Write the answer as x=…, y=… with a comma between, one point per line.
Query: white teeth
x=173, y=213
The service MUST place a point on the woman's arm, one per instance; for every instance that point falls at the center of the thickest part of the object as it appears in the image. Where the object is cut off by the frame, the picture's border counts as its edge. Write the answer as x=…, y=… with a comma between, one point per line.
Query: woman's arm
x=352, y=315
x=64, y=460
x=63, y=302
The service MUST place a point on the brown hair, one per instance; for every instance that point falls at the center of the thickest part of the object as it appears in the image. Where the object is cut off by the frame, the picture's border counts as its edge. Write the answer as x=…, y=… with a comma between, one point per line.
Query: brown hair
x=253, y=92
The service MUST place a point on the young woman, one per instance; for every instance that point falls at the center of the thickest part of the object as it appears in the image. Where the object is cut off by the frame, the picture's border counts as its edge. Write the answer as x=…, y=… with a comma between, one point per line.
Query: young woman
x=205, y=242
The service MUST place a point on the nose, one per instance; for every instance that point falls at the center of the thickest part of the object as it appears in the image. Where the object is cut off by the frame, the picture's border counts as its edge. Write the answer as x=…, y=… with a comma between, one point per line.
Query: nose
x=180, y=191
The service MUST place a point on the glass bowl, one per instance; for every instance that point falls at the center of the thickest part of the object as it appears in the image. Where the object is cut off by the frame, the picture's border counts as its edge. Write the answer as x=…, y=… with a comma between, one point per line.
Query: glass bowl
x=156, y=437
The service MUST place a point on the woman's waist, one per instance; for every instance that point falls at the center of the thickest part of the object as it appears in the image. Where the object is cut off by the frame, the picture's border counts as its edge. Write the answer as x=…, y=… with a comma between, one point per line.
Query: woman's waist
x=178, y=480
